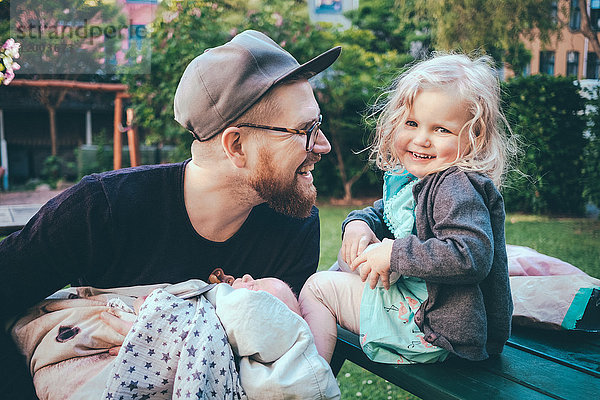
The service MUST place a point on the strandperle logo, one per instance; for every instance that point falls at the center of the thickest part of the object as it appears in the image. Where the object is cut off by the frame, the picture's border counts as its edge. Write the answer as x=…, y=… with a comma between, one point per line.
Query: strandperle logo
x=81, y=37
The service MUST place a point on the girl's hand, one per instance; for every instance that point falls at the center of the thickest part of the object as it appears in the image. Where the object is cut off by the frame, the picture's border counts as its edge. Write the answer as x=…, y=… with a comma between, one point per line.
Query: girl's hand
x=375, y=264
x=357, y=236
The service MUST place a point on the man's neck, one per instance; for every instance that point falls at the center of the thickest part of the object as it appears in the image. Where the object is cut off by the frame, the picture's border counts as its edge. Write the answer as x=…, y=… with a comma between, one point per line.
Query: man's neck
x=216, y=205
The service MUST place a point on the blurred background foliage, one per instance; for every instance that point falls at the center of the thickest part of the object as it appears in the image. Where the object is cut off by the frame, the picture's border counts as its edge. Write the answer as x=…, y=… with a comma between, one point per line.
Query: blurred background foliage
x=559, y=172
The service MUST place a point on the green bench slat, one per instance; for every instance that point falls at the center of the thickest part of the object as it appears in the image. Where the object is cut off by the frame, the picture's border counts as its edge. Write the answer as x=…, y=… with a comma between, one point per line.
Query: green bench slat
x=579, y=349
x=518, y=373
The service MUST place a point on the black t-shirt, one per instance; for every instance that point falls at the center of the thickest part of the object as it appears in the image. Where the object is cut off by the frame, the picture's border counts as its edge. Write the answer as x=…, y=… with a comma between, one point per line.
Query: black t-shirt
x=130, y=227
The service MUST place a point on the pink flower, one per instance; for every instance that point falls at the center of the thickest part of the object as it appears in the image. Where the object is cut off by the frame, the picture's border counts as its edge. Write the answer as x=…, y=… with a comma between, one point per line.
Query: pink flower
x=278, y=19
x=11, y=48
x=8, y=77
x=8, y=44
x=170, y=16
x=15, y=66
x=196, y=12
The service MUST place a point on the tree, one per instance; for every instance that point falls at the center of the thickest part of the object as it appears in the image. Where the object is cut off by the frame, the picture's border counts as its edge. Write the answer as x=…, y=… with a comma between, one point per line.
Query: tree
x=345, y=97
x=496, y=27
x=547, y=114
x=4, y=20
x=395, y=24
x=591, y=156
x=181, y=30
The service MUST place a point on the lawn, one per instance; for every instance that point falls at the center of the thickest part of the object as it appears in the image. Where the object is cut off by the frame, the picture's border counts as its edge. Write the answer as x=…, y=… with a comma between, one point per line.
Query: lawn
x=576, y=241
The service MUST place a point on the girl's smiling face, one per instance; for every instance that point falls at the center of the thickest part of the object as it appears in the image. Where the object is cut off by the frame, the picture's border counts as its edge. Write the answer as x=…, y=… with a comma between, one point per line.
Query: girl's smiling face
x=429, y=140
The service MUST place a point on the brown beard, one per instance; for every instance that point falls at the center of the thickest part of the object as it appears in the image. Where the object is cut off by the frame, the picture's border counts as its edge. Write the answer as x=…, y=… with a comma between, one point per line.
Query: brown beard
x=284, y=196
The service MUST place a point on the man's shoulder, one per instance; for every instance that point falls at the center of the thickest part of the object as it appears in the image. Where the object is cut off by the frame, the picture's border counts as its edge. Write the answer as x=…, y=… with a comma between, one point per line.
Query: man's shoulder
x=137, y=180
x=140, y=173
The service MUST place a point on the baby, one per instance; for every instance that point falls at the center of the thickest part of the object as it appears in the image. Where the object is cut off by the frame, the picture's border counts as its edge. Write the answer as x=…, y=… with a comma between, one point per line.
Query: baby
x=258, y=318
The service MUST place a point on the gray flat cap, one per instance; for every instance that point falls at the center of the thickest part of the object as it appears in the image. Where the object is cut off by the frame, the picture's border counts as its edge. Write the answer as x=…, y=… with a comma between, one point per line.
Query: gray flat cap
x=222, y=83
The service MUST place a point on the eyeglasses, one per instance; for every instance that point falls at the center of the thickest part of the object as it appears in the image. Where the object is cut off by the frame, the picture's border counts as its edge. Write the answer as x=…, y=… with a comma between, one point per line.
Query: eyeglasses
x=311, y=133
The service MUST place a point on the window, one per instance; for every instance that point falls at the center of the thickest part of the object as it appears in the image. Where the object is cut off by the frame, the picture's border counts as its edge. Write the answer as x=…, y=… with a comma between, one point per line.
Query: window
x=547, y=62
x=572, y=63
x=554, y=11
x=328, y=6
x=595, y=14
x=592, y=66
x=575, y=16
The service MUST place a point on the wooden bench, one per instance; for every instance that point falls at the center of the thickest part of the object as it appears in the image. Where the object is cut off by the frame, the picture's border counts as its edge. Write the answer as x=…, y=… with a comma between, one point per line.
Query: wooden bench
x=535, y=364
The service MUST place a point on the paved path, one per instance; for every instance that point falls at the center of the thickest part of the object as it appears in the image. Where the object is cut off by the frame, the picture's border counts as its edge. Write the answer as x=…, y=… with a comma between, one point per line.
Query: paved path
x=13, y=218
x=27, y=197
x=16, y=208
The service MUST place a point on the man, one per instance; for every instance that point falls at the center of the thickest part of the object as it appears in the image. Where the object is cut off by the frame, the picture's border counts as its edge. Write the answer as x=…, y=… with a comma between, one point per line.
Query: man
x=243, y=203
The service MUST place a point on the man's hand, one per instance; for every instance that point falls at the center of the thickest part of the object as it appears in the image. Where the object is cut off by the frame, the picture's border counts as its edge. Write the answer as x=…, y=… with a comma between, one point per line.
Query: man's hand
x=375, y=264
x=357, y=236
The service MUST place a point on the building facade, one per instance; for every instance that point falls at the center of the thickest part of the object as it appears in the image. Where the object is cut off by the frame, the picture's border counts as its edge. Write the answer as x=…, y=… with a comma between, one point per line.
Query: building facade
x=572, y=54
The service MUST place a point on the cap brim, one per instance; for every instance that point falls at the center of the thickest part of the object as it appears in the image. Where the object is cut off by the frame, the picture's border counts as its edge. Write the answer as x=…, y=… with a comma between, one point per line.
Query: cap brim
x=314, y=66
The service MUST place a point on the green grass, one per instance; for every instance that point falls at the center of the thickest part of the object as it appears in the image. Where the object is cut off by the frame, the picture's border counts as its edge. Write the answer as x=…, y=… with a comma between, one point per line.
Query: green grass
x=576, y=241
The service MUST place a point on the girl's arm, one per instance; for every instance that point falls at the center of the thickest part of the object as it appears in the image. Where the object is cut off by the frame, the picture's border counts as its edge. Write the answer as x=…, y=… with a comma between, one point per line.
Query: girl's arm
x=461, y=226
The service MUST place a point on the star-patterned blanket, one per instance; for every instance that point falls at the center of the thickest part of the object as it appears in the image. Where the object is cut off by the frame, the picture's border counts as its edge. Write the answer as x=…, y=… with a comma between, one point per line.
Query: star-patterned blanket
x=176, y=349
x=177, y=355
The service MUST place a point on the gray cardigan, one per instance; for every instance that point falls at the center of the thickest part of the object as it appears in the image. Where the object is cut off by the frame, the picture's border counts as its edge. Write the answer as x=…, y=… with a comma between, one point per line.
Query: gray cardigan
x=460, y=251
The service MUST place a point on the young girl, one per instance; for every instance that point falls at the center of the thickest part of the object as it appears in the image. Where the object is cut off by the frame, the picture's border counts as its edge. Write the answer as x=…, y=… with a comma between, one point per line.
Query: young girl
x=440, y=141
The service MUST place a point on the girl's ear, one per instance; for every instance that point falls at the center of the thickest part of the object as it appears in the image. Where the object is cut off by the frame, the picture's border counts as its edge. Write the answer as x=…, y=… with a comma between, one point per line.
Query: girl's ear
x=232, y=142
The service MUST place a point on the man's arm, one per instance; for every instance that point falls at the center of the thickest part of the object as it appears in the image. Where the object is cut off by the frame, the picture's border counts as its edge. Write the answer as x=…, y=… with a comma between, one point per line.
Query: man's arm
x=305, y=251
x=60, y=245
x=15, y=373
x=51, y=251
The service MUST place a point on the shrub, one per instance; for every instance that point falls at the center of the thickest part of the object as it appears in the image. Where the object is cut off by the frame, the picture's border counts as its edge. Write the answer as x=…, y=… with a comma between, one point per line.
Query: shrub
x=548, y=114
x=591, y=156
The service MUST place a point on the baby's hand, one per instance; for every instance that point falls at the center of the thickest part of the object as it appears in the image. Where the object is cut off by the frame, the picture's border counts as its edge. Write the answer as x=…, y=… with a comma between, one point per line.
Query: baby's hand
x=357, y=236
x=121, y=326
x=375, y=264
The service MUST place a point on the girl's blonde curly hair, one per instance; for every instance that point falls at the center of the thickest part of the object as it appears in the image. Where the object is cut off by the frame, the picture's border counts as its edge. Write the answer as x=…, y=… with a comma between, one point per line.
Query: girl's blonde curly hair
x=472, y=80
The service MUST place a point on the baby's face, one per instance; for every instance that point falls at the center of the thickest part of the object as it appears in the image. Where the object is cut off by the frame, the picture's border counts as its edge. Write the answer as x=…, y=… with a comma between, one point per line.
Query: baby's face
x=274, y=286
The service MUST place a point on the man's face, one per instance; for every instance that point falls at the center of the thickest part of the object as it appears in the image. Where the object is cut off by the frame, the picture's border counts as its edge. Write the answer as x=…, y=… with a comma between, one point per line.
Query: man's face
x=282, y=176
